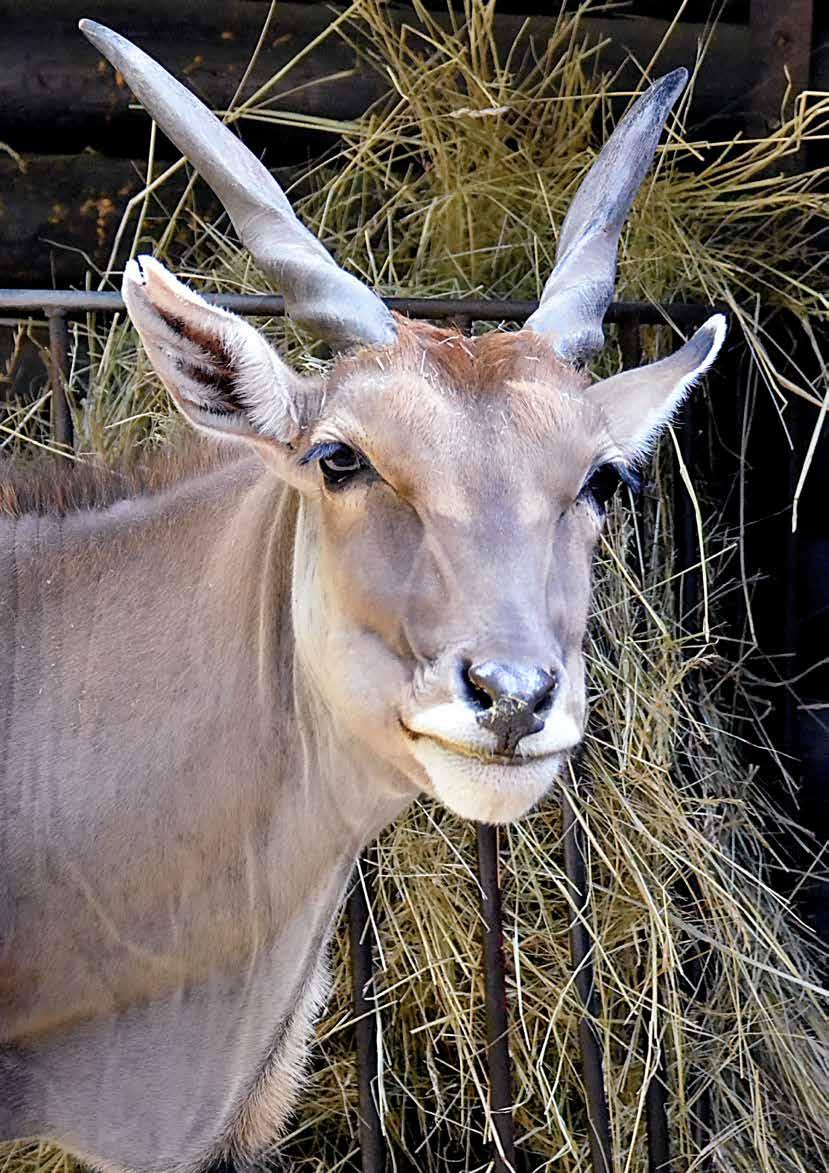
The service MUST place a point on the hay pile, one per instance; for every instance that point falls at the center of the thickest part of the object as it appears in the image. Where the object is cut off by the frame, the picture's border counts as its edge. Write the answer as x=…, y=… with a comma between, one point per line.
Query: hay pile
x=456, y=185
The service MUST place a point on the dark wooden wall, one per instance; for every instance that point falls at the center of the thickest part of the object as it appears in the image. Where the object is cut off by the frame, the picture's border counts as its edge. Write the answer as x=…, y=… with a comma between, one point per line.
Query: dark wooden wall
x=68, y=117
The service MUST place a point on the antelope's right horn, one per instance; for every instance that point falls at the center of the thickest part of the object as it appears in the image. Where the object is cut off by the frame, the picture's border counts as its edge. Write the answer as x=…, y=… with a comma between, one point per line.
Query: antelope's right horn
x=318, y=294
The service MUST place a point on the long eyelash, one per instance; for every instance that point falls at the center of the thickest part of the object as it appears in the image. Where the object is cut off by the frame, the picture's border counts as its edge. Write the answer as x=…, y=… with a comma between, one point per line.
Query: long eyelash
x=631, y=478
x=321, y=451
x=628, y=476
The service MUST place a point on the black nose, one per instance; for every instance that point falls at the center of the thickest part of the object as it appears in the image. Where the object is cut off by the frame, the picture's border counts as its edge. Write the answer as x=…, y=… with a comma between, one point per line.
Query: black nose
x=513, y=700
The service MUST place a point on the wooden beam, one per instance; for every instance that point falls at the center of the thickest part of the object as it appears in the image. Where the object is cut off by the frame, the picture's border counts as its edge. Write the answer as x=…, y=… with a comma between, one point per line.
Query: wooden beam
x=59, y=214
x=56, y=93
x=781, y=41
x=73, y=201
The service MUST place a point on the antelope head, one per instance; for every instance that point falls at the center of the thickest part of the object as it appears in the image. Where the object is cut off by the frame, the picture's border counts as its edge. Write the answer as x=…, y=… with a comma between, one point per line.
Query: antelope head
x=452, y=489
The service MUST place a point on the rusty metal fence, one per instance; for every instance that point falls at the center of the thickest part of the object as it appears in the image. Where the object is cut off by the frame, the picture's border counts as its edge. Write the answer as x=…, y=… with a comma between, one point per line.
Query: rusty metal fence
x=59, y=306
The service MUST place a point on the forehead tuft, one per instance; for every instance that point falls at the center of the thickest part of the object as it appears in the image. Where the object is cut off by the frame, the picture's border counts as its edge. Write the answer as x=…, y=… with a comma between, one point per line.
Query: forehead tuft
x=454, y=420
x=448, y=357
x=434, y=380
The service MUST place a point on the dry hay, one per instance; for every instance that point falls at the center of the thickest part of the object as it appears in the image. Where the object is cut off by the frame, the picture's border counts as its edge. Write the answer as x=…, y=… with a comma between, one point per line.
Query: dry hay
x=456, y=185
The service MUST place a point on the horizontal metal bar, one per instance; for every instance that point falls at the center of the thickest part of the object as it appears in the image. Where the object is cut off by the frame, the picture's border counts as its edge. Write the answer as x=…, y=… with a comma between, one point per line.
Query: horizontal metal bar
x=76, y=301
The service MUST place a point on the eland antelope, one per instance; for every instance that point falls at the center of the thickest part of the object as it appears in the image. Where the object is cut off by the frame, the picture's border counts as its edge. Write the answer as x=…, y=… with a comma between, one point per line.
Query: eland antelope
x=217, y=689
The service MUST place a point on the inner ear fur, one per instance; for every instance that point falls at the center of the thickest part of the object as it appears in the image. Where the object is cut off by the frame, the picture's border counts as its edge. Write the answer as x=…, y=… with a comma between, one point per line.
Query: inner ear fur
x=638, y=404
x=223, y=375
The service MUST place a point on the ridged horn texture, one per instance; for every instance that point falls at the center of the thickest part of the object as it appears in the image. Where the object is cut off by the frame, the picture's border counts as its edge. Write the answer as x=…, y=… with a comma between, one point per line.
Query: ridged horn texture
x=581, y=285
x=318, y=294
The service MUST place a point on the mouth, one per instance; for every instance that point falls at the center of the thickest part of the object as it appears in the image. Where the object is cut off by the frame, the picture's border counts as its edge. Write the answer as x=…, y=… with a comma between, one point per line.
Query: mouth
x=477, y=753
x=481, y=785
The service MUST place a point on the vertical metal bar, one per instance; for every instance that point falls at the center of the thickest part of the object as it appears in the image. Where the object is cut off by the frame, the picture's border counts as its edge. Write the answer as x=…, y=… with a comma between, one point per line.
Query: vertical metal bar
x=792, y=573
x=581, y=953
x=630, y=344
x=372, y=1144
x=686, y=531
x=495, y=993
x=62, y=429
x=656, y=1119
x=656, y=1114
x=689, y=599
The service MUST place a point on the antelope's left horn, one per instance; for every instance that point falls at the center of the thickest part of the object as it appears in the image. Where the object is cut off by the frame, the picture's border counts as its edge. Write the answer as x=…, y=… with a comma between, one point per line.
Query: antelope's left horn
x=318, y=294
x=581, y=285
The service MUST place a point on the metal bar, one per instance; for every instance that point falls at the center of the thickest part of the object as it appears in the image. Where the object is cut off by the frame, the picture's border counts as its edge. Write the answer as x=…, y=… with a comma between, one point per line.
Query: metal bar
x=495, y=996
x=656, y=1093
x=689, y=600
x=656, y=1120
x=372, y=1142
x=686, y=529
x=72, y=301
x=630, y=344
x=696, y=979
x=792, y=576
x=581, y=954
x=62, y=428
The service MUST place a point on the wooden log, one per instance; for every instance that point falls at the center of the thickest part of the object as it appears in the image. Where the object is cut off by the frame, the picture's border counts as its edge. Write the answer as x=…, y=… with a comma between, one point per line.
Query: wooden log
x=56, y=93
x=59, y=214
x=781, y=42
x=57, y=211
x=74, y=200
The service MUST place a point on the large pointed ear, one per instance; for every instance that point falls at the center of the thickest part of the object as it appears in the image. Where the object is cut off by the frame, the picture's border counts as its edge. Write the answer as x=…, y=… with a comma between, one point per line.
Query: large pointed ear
x=223, y=375
x=638, y=403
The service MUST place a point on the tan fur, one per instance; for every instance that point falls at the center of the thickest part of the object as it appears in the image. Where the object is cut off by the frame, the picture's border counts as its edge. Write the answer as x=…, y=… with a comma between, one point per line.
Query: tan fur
x=479, y=365
x=265, y=1112
x=57, y=485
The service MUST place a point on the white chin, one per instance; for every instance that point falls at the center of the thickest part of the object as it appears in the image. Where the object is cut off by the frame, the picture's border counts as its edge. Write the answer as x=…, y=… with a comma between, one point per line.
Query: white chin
x=485, y=791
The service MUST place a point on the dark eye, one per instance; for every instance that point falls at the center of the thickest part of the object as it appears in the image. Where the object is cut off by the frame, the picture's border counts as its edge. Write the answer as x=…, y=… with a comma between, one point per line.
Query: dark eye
x=603, y=482
x=339, y=464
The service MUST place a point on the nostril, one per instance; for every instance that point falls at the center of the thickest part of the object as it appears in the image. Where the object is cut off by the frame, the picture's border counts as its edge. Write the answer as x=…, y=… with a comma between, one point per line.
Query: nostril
x=491, y=684
x=511, y=699
x=476, y=693
x=548, y=691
